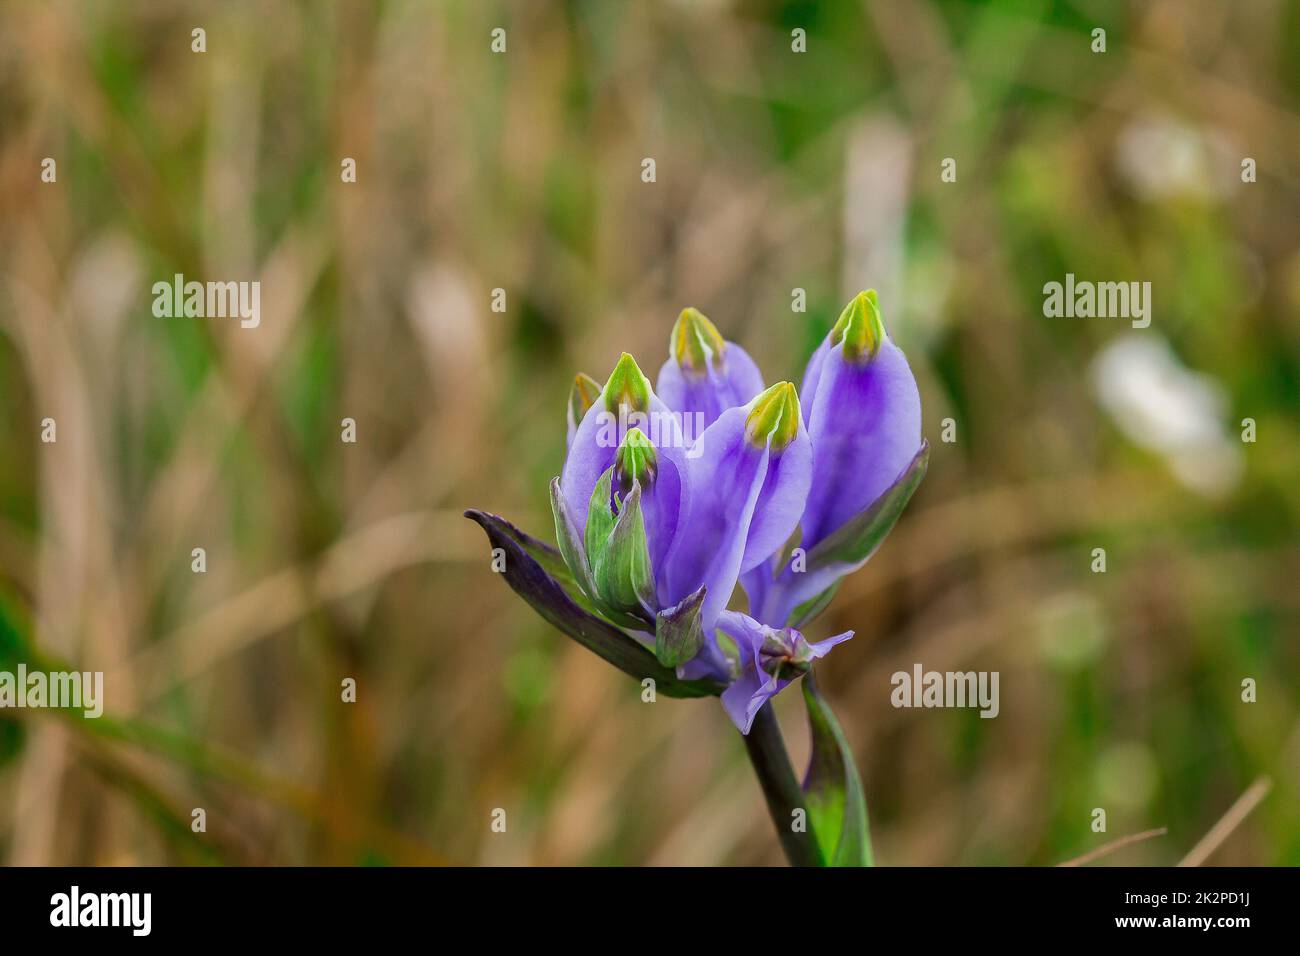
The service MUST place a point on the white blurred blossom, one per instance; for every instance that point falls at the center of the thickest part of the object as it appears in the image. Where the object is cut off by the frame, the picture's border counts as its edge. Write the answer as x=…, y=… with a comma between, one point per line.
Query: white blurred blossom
x=1163, y=406
x=1160, y=157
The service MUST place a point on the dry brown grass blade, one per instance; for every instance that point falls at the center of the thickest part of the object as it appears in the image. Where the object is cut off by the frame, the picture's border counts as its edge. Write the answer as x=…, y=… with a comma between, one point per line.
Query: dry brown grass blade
x=1238, y=812
x=1108, y=848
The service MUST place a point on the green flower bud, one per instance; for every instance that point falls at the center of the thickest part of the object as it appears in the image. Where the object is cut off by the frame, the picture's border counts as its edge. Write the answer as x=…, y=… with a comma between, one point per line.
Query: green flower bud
x=636, y=460
x=860, y=328
x=618, y=553
x=774, y=417
x=678, y=634
x=582, y=396
x=627, y=386
x=696, y=343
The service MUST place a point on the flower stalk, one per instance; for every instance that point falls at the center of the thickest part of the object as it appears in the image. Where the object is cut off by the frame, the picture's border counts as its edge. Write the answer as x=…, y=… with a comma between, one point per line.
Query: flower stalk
x=785, y=802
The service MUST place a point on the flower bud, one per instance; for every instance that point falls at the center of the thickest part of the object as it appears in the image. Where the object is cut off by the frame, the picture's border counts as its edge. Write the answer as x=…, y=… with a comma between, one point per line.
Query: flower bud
x=696, y=344
x=636, y=461
x=678, y=633
x=704, y=374
x=774, y=418
x=860, y=328
x=582, y=395
x=627, y=387
x=618, y=552
x=863, y=414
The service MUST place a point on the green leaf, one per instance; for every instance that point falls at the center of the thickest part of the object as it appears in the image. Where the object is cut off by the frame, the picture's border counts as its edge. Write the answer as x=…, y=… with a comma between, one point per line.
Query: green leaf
x=532, y=581
x=15, y=628
x=833, y=795
x=575, y=554
x=573, y=563
x=15, y=647
x=859, y=538
x=678, y=634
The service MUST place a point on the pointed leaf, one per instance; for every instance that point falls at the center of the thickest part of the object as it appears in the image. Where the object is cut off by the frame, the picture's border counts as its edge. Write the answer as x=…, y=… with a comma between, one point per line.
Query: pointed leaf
x=532, y=579
x=572, y=552
x=579, y=556
x=600, y=518
x=837, y=806
x=621, y=566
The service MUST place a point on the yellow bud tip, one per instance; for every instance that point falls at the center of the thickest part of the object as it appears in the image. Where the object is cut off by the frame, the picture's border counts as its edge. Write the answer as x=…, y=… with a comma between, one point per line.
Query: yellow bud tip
x=582, y=396
x=774, y=417
x=860, y=327
x=696, y=343
x=627, y=385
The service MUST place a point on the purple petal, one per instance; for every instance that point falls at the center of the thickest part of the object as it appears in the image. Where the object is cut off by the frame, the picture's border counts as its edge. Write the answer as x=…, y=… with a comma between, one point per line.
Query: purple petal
x=758, y=583
x=755, y=687
x=790, y=589
x=812, y=374
x=865, y=425
x=747, y=632
x=724, y=476
x=700, y=397
x=595, y=445
x=822, y=648
x=661, y=504
x=782, y=500
x=773, y=598
x=743, y=699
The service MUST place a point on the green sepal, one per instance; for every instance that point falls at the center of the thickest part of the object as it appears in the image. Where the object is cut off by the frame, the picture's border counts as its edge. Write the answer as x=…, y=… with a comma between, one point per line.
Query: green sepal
x=619, y=553
x=635, y=461
x=860, y=328
x=696, y=344
x=538, y=581
x=678, y=634
x=774, y=417
x=600, y=516
x=572, y=552
x=627, y=387
x=858, y=539
x=810, y=608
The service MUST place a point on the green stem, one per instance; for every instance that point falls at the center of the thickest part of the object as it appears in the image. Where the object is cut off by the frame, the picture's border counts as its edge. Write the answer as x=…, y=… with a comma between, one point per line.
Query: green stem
x=776, y=776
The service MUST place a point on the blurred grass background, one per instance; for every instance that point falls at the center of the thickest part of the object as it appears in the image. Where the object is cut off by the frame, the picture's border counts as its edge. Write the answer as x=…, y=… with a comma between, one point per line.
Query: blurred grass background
x=775, y=170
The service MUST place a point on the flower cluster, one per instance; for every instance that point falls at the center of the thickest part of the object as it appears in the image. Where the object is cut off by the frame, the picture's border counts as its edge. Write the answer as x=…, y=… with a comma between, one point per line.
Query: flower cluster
x=659, y=526
x=673, y=495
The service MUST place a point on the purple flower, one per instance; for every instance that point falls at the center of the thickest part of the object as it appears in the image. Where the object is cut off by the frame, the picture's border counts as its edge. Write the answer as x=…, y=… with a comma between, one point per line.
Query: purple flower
x=764, y=661
x=864, y=417
x=671, y=497
x=705, y=375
